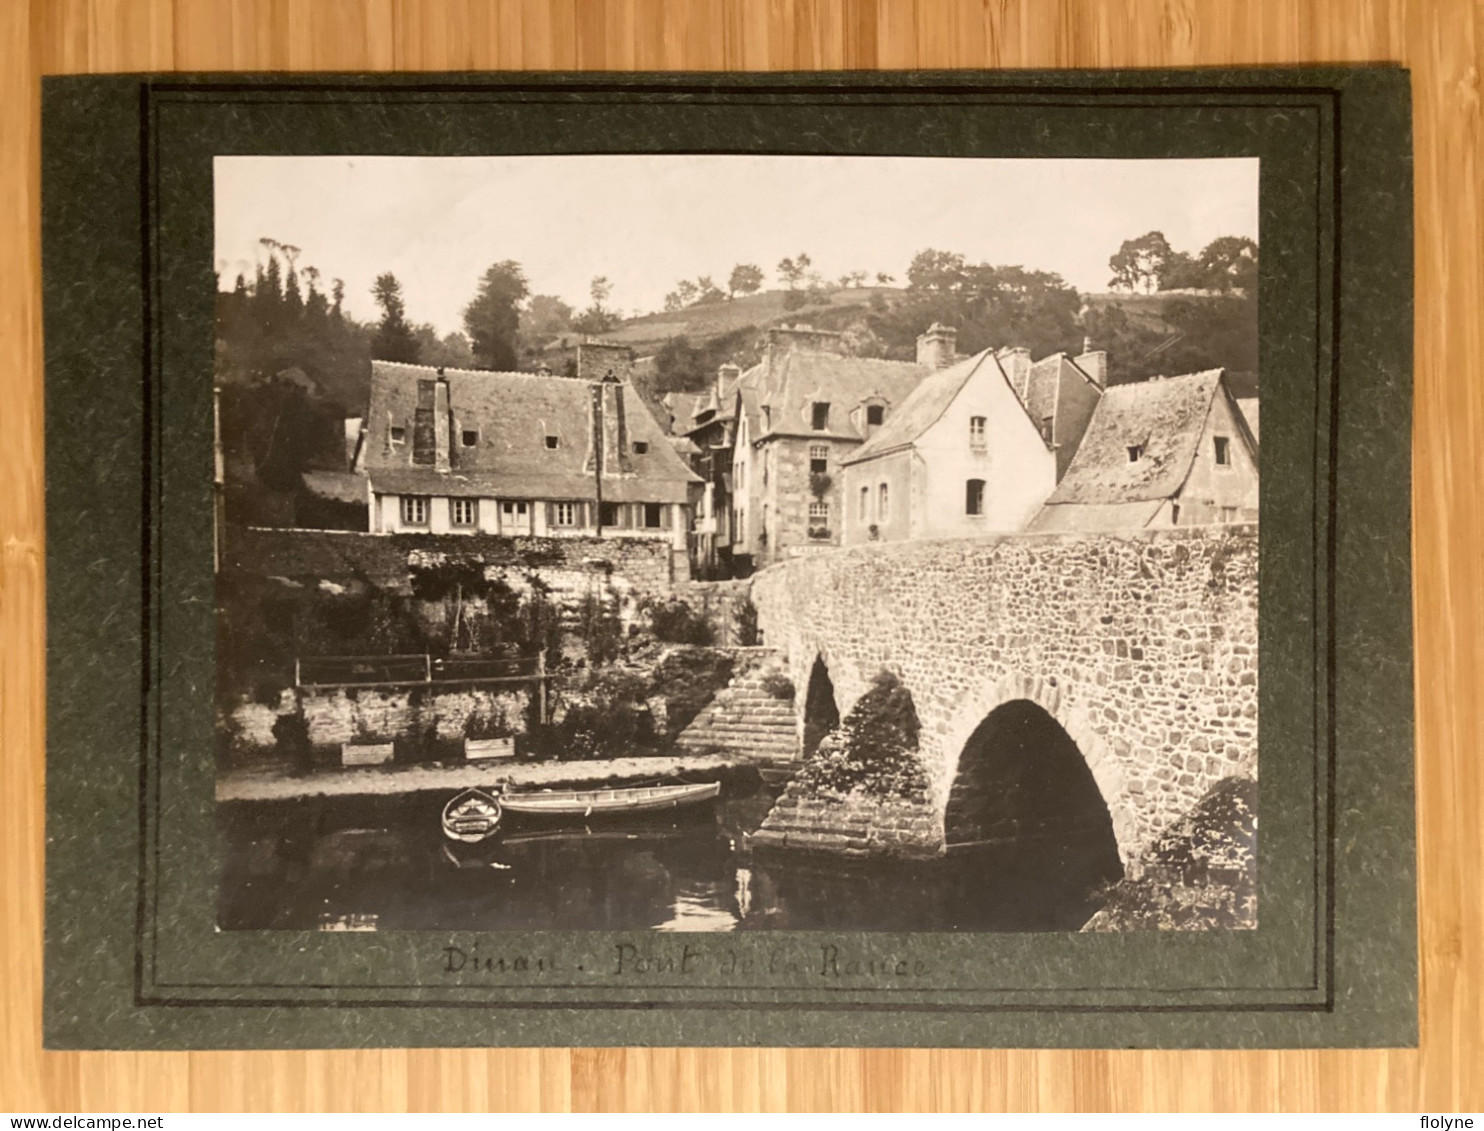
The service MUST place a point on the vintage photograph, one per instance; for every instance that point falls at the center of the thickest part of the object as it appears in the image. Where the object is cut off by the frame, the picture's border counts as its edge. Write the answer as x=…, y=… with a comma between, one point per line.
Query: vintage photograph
x=721, y=543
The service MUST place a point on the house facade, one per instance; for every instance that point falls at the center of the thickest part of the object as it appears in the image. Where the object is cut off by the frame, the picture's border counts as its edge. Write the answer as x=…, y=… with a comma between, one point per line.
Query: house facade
x=976, y=448
x=1169, y=451
x=500, y=453
x=798, y=414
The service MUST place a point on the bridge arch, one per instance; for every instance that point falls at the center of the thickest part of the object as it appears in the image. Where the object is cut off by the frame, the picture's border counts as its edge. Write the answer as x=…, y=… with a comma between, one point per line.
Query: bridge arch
x=821, y=705
x=1042, y=714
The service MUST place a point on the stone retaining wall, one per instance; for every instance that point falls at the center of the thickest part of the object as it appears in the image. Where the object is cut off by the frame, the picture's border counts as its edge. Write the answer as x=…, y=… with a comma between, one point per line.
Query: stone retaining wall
x=856, y=824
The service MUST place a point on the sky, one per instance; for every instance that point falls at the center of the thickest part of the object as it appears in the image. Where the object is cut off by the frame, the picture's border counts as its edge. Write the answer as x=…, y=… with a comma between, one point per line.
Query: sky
x=647, y=222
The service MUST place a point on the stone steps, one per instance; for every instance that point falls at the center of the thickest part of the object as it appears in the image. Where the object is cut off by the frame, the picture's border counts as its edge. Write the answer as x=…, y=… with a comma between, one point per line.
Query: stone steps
x=744, y=717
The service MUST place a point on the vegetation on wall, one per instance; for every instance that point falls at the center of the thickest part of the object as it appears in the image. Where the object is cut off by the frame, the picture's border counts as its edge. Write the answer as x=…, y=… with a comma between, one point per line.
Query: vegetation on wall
x=1201, y=874
x=874, y=749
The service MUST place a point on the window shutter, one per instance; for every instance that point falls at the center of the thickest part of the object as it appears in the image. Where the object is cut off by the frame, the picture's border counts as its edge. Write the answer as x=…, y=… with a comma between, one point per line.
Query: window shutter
x=665, y=509
x=550, y=515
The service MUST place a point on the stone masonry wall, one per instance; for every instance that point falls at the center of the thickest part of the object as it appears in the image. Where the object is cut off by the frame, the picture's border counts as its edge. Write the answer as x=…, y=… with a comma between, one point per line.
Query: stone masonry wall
x=641, y=565
x=855, y=824
x=1143, y=646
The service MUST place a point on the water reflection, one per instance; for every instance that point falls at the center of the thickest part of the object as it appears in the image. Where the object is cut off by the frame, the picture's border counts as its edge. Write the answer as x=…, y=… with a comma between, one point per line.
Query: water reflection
x=383, y=864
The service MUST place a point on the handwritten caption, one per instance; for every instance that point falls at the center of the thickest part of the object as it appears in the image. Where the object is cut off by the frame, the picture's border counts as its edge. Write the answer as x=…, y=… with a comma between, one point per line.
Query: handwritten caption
x=639, y=963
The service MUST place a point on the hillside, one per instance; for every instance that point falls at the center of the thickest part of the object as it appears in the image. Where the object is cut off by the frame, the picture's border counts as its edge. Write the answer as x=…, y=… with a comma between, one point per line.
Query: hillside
x=702, y=325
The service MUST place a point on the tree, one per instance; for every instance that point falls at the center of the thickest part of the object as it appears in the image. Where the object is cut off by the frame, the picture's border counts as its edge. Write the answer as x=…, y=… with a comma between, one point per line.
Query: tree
x=883, y=279
x=546, y=317
x=707, y=291
x=1138, y=263
x=746, y=279
x=1229, y=263
x=792, y=271
x=394, y=340
x=596, y=319
x=492, y=318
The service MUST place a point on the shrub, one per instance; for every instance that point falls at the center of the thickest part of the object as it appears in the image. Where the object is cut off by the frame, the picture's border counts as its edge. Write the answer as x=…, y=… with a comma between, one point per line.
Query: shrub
x=689, y=678
x=1199, y=875
x=778, y=685
x=675, y=622
x=874, y=748
x=744, y=621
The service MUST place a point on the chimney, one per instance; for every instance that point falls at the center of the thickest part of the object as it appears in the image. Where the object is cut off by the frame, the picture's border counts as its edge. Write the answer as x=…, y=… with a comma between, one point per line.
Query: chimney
x=937, y=348
x=622, y=430
x=443, y=431
x=726, y=377
x=1094, y=363
x=597, y=361
x=803, y=337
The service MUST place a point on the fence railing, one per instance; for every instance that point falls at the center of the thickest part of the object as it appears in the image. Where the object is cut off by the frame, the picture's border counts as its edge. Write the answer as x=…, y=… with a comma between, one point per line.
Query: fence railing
x=411, y=670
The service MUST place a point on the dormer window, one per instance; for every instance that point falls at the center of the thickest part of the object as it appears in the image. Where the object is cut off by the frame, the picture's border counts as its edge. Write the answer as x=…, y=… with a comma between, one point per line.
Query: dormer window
x=820, y=416
x=1135, y=453
x=875, y=414
x=641, y=447
x=470, y=437
x=976, y=431
x=552, y=443
x=1046, y=428
x=398, y=434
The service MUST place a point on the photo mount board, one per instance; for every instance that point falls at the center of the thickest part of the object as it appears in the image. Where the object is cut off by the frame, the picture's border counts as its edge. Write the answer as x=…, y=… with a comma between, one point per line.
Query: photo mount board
x=133, y=956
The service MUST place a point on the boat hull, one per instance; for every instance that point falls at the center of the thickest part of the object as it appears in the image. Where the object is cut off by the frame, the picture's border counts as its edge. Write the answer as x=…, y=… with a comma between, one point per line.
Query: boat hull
x=610, y=802
x=471, y=817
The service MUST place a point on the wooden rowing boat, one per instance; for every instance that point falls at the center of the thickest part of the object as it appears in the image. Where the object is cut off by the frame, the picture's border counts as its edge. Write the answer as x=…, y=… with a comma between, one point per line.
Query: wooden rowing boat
x=608, y=802
x=471, y=817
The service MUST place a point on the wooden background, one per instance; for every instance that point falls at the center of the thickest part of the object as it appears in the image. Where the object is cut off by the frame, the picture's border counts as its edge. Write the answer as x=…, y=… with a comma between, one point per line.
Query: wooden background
x=1441, y=41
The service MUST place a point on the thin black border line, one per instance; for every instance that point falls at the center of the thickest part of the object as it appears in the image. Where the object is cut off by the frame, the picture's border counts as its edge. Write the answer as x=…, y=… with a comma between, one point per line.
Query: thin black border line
x=1330, y=993
x=147, y=92
x=1330, y=602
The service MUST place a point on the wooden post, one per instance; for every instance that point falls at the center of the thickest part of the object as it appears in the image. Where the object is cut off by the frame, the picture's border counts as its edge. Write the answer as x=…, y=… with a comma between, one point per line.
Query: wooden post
x=541, y=686
x=427, y=667
x=297, y=681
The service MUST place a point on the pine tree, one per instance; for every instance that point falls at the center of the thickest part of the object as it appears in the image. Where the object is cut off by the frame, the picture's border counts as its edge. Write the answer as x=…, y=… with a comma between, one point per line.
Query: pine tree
x=394, y=339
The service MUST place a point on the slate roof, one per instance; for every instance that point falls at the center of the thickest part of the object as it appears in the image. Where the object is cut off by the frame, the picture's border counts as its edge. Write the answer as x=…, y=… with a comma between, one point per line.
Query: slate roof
x=923, y=407
x=1165, y=415
x=336, y=486
x=1095, y=517
x=1249, y=407
x=795, y=378
x=513, y=413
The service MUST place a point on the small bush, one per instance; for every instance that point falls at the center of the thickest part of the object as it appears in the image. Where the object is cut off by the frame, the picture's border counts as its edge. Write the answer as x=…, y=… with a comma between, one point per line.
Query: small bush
x=745, y=624
x=874, y=748
x=778, y=685
x=1199, y=875
x=675, y=622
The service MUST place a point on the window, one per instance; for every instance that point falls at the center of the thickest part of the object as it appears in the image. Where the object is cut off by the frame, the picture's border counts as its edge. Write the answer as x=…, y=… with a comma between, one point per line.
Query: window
x=875, y=414
x=882, y=512
x=1135, y=453
x=1223, y=452
x=819, y=459
x=1174, y=514
x=512, y=509
x=1228, y=514
x=976, y=431
x=564, y=514
x=552, y=442
x=864, y=503
x=741, y=476
x=641, y=447
x=398, y=434
x=414, y=510
x=608, y=514
x=463, y=512
x=471, y=437
x=974, y=497
x=1046, y=428
x=654, y=515
x=819, y=519
x=820, y=419
x=767, y=417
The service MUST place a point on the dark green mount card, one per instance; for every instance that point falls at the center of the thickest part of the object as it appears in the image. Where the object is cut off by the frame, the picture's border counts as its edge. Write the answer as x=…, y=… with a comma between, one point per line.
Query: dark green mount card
x=134, y=954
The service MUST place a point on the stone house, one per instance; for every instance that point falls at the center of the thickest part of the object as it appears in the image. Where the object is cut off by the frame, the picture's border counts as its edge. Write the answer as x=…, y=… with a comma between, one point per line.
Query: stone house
x=975, y=449
x=1169, y=451
x=807, y=405
x=502, y=453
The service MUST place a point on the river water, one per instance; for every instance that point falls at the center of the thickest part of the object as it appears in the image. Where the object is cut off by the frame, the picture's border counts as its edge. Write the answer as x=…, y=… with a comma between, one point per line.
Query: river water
x=383, y=863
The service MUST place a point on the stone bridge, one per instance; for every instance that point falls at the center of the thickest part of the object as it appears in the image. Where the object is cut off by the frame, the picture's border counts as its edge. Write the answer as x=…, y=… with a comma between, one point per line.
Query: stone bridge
x=1132, y=658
